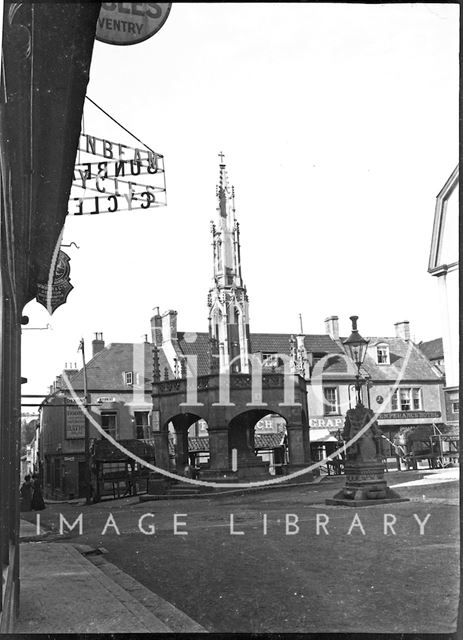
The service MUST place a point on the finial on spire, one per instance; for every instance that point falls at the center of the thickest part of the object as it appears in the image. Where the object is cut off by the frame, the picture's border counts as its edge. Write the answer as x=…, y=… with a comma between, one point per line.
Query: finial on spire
x=221, y=156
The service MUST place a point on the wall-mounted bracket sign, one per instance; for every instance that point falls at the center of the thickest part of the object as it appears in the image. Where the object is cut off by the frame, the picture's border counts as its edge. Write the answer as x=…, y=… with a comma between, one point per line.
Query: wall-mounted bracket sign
x=55, y=292
x=111, y=176
x=124, y=23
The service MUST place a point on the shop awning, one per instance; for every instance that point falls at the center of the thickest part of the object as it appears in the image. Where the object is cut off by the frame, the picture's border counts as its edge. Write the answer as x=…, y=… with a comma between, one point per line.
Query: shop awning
x=321, y=435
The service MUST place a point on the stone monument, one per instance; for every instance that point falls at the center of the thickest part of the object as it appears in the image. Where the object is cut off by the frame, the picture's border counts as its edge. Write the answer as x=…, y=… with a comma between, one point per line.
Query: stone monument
x=364, y=467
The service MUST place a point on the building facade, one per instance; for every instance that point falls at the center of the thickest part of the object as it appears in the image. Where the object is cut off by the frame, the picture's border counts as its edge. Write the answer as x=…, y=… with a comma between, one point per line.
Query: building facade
x=444, y=266
x=46, y=54
x=119, y=401
x=168, y=392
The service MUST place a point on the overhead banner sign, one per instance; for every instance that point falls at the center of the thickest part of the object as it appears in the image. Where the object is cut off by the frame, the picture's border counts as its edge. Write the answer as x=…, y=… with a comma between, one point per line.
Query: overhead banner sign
x=110, y=176
x=54, y=293
x=124, y=23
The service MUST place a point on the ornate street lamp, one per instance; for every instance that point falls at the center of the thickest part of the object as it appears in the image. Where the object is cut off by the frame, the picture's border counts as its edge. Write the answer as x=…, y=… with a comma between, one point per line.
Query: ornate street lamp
x=364, y=463
x=357, y=349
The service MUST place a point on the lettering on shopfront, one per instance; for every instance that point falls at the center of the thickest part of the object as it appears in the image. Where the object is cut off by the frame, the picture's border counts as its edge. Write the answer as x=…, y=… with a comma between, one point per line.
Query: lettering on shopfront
x=408, y=415
x=326, y=423
x=123, y=23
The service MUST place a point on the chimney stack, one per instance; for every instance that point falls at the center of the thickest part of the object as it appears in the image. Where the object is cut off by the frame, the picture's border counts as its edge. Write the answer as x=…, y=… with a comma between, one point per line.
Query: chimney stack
x=169, y=326
x=332, y=327
x=97, y=344
x=156, y=328
x=402, y=330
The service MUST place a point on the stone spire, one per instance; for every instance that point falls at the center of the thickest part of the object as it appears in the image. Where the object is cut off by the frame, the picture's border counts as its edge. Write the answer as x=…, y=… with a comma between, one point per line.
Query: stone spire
x=228, y=300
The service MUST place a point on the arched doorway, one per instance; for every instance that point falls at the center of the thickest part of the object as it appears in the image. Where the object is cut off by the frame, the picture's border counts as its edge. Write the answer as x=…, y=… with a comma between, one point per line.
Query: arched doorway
x=179, y=428
x=271, y=442
x=198, y=445
x=252, y=452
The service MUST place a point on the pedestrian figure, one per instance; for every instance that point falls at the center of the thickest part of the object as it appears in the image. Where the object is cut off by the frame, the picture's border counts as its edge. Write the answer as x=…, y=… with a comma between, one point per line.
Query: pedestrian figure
x=128, y=484
x=37, y=503
x=26, y=494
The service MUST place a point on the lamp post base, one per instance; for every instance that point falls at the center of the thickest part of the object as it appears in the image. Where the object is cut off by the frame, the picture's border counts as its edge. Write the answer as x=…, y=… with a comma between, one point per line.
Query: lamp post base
x=365, y=486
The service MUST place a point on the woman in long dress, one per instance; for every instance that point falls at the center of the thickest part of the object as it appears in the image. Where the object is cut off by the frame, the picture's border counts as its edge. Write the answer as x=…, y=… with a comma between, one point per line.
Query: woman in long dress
x=26, y=494
x=37, y=503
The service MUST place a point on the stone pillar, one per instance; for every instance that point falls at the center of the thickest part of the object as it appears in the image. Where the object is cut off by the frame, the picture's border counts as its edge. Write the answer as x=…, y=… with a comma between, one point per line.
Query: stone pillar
x=161, y=449
x=296, y=447
x=181, y=448
x=218, y=448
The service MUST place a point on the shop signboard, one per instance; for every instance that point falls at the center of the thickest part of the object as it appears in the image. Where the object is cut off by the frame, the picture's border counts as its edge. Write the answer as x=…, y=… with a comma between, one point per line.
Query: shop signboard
x=335, y=422
x=110, y=176
x=123, y=23
x=409, y=415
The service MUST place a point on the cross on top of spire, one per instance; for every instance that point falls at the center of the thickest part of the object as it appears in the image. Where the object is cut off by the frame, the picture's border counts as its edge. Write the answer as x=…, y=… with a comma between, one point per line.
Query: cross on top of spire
x=221, y=156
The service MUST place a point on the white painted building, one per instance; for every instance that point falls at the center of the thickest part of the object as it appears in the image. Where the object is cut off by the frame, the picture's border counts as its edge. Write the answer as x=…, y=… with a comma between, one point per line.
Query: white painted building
x=444, y=265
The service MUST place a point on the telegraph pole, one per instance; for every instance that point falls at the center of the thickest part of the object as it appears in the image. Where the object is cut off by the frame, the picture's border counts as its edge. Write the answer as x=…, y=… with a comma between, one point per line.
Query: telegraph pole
x=88, y=479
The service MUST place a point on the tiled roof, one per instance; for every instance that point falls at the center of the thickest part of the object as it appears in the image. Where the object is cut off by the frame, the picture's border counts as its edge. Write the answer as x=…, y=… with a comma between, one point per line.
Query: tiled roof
x=268, y=440
x=200, y=348
x=198, y=444
x=105, y=370
x=264, y=343
x=279, y=343
x=432, y=349
x=407, y=362
x=261, y=441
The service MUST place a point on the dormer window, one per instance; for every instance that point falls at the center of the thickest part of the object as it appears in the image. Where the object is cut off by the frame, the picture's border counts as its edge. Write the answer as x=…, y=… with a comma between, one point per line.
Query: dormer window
x=128, y=377
x=271, y=360
x=382, y=354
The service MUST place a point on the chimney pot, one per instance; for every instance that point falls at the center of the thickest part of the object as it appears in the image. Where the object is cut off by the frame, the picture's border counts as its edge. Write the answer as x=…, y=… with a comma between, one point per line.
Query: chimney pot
x=97, y=344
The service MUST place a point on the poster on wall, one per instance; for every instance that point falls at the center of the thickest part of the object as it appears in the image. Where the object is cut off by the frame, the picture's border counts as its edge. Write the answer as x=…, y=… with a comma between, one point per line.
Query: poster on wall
x=75, y=421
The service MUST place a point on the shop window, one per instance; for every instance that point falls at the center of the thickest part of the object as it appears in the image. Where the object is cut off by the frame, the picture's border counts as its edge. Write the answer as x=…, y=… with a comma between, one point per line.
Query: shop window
x=109, y=422
x=331, y=403
x=382, y=354
x=141, y=424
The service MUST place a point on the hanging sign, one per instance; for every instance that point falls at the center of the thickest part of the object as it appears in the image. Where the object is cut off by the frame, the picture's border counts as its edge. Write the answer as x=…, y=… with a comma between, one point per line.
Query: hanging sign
x=124, y=23
x=55, y=292
x=111, y=176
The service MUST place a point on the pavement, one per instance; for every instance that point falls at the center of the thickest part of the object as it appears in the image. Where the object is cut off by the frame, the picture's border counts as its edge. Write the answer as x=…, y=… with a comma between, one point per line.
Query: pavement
x=254, y=578
x=63, y=591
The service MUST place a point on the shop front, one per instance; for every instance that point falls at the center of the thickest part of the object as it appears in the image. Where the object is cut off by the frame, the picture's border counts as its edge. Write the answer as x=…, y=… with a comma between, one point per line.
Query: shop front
x=325, y=439
x=412, y=438
x=116, y=474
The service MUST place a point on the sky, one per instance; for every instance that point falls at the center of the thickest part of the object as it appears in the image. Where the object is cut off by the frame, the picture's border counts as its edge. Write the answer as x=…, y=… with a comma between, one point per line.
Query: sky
x=339, y=125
